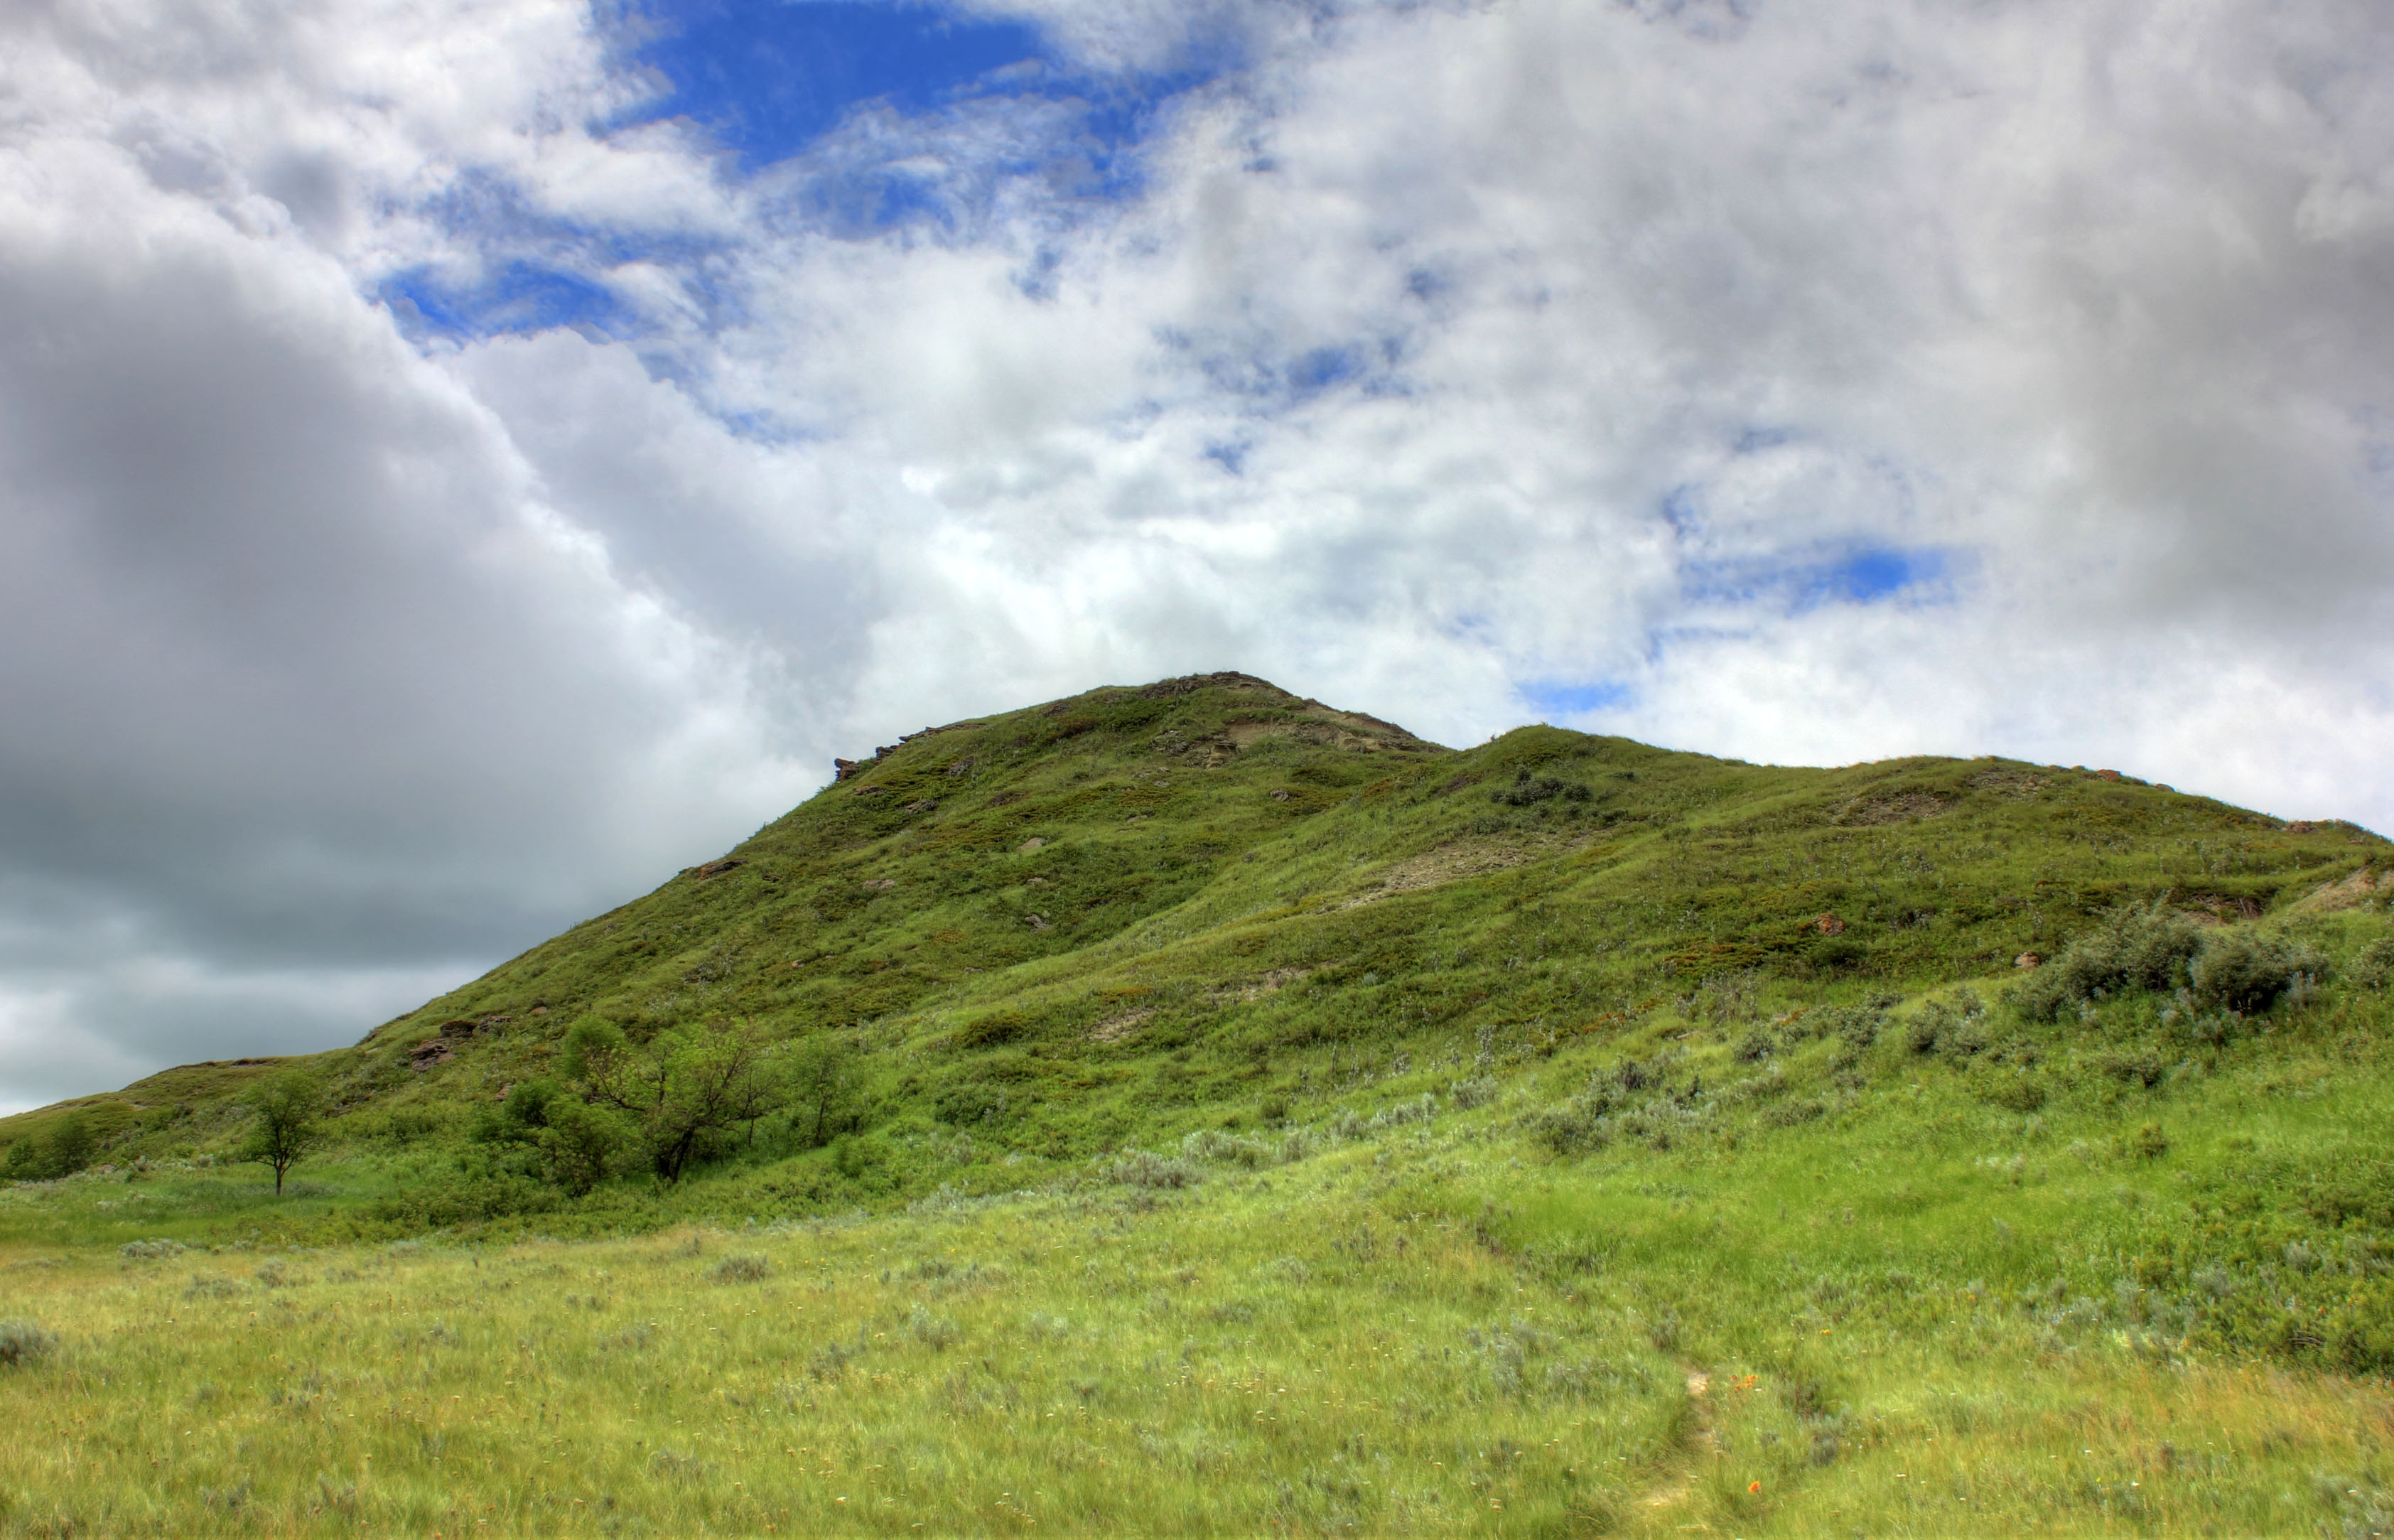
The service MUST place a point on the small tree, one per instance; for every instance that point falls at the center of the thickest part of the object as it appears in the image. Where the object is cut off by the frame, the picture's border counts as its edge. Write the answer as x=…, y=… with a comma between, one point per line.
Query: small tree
x=683, y=1091
x=285, y=1127
x=822, y=1089
x=23, y=1163
x=581, y=1143
x=71, y=1146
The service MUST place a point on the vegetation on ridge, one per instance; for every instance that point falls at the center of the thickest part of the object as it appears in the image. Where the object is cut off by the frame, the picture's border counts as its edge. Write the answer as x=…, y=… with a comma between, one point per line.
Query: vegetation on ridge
x=1199, y=1109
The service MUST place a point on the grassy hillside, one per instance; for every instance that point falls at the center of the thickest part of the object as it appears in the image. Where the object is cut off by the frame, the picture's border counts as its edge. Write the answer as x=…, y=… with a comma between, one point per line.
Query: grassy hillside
x=1217, y=1111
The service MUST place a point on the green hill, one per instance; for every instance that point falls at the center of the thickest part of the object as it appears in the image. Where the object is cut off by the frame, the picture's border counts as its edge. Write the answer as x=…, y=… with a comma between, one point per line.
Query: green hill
x=1601, y=1137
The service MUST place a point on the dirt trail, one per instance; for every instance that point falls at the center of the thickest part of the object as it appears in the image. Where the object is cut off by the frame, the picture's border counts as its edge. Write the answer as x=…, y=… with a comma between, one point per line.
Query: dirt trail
x=1703, y=1443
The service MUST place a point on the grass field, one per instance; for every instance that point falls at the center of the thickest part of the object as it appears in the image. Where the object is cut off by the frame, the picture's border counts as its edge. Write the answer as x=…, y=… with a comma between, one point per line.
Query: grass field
x=1254, y=1122
x=1919, y=1315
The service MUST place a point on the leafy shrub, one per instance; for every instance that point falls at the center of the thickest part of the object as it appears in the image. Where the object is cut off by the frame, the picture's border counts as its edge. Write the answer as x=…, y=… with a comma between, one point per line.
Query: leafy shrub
x=2374, y=967
x=1856, y=1026
x=22, y=1342
x=579, y=1142
x=149, y=1250
x=1579, y=1127
x=2244, y=970
x=746, y=1269
x=932, y=1330
x=1527, y=789
x=1209, y=1144
x=1141, y=1169
x=2017, y=1092
x=520, y=1117
x=831, y=1361
x=1353, y=1125
x=66, y=1151
x=1468, y=1094
x=2135, y=948
x=2139, y=1067
x=686, y=1467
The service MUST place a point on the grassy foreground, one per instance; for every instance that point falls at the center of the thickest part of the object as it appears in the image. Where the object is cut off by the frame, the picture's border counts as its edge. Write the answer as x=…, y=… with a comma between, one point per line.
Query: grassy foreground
x=1919, y=1315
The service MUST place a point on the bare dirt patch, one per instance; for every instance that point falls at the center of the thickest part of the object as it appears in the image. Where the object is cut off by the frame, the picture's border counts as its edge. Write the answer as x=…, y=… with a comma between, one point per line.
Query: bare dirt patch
x=1255, y=989
x=1451, y=863
x=1902, y=807
x=2011, y=782
x=1339, y=730
x=1113, y=1029
x=2363, y=887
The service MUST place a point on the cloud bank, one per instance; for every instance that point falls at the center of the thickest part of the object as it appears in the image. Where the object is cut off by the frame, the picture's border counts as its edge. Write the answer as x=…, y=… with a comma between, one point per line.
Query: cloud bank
x=465, y=461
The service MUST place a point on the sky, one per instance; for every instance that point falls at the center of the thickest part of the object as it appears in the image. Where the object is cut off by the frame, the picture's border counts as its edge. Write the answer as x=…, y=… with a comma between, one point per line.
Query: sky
x=461, y=460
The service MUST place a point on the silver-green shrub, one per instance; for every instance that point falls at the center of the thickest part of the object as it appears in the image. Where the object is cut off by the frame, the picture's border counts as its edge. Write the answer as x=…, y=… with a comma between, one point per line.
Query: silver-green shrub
x=2245, y=970
x=22, y=1342
x=2146, y=948
x=745, y=1269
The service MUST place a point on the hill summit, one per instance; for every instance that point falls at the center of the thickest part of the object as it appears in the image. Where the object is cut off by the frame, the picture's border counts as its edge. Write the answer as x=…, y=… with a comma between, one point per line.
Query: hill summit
x=1061, y=927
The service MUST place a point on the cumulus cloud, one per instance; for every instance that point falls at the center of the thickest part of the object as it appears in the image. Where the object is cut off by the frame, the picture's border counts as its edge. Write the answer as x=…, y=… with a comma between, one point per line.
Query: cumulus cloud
x=446, y=495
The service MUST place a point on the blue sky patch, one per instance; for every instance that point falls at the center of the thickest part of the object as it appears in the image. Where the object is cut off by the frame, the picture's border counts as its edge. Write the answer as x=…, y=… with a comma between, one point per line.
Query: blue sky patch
x=766, y=77
x=1567, y=698
x=1320, y=369
x=516, y=297
x=1857, y=574
x=1865, y=577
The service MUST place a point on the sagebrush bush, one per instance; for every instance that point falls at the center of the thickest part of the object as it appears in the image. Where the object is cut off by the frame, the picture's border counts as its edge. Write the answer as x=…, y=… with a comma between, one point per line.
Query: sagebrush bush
x=743, y=1269
x=1141, y=1168
x=1208, y=1144
x=23, y=1342
x=145, y=1250
x=2146, y=948
x=2245, y=970
x=2373, y=969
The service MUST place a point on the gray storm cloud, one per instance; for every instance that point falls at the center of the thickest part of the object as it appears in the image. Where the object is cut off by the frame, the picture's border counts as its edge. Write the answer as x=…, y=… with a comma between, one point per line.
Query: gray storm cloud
x=1805, y=383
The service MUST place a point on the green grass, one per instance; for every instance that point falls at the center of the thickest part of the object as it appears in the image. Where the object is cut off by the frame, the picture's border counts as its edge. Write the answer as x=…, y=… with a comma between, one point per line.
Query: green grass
x=1385, y=1158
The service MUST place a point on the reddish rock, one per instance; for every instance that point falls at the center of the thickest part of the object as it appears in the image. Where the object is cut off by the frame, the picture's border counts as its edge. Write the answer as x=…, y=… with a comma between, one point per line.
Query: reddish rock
x=842, y=768
x=2109, y=775
x=2028, y=959
x=1829, y=925
x=2301, y=827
